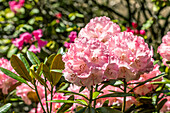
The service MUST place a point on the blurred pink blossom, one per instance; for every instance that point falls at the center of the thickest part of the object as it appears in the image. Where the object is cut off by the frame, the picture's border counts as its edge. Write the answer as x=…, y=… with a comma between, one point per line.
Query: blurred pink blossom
x=42, y=43
x=67, y=44
x=164, y=49
x=34, y=49
x=26, y=37
x=134, y=25
x=5, y=81
x=72, y=36
x=18, y=42
x=142, y=32
x=14, y=5
x=58, y=15
x=37, y=34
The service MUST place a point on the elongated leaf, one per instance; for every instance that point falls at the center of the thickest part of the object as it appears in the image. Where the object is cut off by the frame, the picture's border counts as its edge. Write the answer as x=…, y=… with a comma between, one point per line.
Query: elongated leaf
x=58, y=64
x=22, y=58
x=107, y=110
x=38, y=78
x=13, y=75
x=49, y=60
x=66, y=106
x=115, y=95
x=160, y=105
x=73, y=93
x=81, y=110
x=65, y=101
x=95, y=94
x=39, y=70
x=62, y=86
x=5, y=108
x=61, y=51
x=47, y=72
x=33, y=58
x=20, y=68
x=82, y=88
x=82, y=101
x=148, y=80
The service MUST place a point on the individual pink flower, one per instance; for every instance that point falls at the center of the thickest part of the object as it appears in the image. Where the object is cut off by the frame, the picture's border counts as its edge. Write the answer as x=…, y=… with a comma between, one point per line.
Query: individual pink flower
x=58, y=15
x=6, y=82
x=131, y=54
x=37, y=34
x=14, y=6
x=55, y=106
x=72, y=36
x=34, y=49
x=18, y=42
x=23, y=91
x=101, y=28
x=147, y=87
x=57, y=21
x=41, y=43
x=26, y=37
x=142, y=32
x=67, y=44
x=164, y=49
x=166, y=106
x=85, y=62
x=128, y=29
x=134, y=25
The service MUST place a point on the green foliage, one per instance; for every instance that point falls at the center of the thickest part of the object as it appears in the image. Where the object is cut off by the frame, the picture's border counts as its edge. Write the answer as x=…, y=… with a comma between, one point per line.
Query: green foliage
x=5, y=108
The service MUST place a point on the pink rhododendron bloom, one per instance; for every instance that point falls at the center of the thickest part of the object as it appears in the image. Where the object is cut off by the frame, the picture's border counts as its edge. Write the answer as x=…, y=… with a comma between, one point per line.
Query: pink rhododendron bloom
x=23, y=90
x=147, y=87
x=26, y=37
x=41, y=43
x=84, y=62
x=164, y=49
x=142, y=32
x=34, y=49
x=55, y=106
x=72, y=36
x=37, y=34
x=18, y=42
x=5, y=81
x=101, y=28
x=131, y=54
x=58, y=15
x=166, y=106
x=14, y=5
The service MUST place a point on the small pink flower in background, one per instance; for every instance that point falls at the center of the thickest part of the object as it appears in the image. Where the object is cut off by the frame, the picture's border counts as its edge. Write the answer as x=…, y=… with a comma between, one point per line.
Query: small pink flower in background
x=147, y=87
x=134, y=25
x=5, y=81
x=128, y=29
x=18, y=42
x=26, y=37
x=42, y=43
x=164, y=49
x=58, y=15
x=67, y=44
x=57, y=21
x=37, y=34
x=14, y=5
x=72, y=36
x=34, y=49
x=142, y=32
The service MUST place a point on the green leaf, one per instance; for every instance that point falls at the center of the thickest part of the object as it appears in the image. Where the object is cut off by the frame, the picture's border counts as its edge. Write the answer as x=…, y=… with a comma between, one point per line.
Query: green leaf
x=81, y=110
x=22, y=58
x=115, y=95
x=95, y=94
x=5, y=108
x=73, y=93
x=66, y=106
x=105, y=104
x=58, y=64
x=72, y=17
x=82, y=88
x=79, y=15
x=49, y=60
x=13, y=49
x=46, y=72
x=20, y=68
x=147, y=25
x=107, y=110
x=13, y=75
x=62, y=86
x=82, y=101
x=33, y=58
x=61, y=51
x=160, y=105
x=90, y=110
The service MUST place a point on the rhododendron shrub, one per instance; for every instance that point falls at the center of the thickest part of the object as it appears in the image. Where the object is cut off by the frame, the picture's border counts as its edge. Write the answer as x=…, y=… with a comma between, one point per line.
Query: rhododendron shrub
x=164, y=49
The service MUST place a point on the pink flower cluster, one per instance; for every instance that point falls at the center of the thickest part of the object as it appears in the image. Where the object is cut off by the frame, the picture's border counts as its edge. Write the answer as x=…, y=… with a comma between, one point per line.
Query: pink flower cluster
x=147, y=87
x=134, y=30
x=102, y=52
x=5, y=81
x=24, y=90
x=27, y=38
x=59, y=16
x=14, y=5
x=55, y=106
x=164, y=49
x=72, y=37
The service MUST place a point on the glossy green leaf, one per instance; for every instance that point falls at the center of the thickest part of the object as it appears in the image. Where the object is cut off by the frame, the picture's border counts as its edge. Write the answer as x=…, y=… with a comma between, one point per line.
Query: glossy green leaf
x=107, y=110
x=82, y=88
x=5, y=108
x=13, y=75
x=20, y=68
x=49, y=60
x=47, y=72
x=22, y=58
x=82, y=101
x=81, y=110
x=115, y=95
x=61, y=51
x=95, y=94
x=33, y=58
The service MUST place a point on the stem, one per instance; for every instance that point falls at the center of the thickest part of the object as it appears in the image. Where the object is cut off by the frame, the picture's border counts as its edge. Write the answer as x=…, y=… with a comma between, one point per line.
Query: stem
x=124, y=100
x=51, y=98
x=95, y=98
x=46, y=96
x=39, y=97
x=91, y=96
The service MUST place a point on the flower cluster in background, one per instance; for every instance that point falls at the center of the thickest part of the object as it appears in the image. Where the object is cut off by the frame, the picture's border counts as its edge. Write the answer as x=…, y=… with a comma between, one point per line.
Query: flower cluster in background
x=134, y=29
x=15, y=6
x=30, y=39
x=59, y=16
x=6, y=82
x=72, y=36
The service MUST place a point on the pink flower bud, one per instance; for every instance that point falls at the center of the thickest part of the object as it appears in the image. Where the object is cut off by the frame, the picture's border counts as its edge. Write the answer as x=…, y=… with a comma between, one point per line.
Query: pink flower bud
x=128, y=29
x=132, y=31
x=134, y=25
x=142, y=32
x=58, y=15
x=136, y=32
